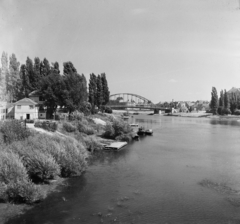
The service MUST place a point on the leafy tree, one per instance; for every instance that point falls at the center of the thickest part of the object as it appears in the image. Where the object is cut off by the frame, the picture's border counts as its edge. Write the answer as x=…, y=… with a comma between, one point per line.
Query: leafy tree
x=44, y=68
x=14, y=77
x=4, y=76
x=93, y=91
x=37, y=72
x=33, y=82
x=53, y=89
x=226, y=100
x=106, y=93
x=76, y=87
x=234, y=102
x=25, y=88
x=55, y=67
x=99, y=91
x=214, y=101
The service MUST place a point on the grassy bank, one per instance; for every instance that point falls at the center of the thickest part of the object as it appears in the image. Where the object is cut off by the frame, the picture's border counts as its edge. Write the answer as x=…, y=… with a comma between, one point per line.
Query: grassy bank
x=33, y=163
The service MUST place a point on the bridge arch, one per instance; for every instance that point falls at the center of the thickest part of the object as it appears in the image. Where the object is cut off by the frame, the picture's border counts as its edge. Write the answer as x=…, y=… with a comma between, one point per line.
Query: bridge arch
x=130, y=95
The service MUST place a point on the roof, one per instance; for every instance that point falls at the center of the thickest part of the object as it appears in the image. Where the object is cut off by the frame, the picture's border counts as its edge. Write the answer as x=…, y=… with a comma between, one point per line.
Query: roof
x=25, y=101
x=34, y=93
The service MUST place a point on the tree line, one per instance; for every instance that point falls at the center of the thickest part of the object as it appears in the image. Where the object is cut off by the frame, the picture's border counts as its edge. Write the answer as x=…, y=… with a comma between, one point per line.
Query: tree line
x=226, y=103
x=67, y=90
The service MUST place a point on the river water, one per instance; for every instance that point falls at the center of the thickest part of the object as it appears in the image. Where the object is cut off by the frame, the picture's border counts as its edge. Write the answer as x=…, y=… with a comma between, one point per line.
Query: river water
x=157, y=179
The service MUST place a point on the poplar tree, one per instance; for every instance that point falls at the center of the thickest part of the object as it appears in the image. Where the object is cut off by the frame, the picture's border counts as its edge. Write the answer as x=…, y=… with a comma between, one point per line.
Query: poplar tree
x=25, y=85
x=37, y=72
x=99, y=91
x=4, y=76
x=106, y=92
x=44, y=68
x=14, y=77
x=214, y=101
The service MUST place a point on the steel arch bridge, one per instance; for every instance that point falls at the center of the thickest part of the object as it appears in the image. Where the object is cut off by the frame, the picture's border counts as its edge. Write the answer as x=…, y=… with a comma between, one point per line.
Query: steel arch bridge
x=130, y=97
x=131, y=100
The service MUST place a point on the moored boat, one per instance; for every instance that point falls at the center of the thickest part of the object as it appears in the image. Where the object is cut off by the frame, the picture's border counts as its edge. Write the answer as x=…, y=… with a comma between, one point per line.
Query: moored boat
x=149, y=132
x=141, y=131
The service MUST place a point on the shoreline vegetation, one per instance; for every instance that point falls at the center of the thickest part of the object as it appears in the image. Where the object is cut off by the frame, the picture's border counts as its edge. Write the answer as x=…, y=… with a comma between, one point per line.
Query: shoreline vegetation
x=34, y=163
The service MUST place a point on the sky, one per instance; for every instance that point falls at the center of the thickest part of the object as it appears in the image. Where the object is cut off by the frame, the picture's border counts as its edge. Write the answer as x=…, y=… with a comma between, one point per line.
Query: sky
x=162, y=50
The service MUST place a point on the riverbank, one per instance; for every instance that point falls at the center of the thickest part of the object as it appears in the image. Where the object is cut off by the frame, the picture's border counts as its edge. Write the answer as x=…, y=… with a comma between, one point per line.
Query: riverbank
x=203, y=114
x=82, y=132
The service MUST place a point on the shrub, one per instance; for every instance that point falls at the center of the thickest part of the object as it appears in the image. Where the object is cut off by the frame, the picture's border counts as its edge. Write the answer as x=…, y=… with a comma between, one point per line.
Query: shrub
x=68, y=127
x=11, y=168
x=30, y=121
x=67, y=152
x=47, y=125
x=237, y=112
x=83, y=127
x=108, y=110
x=92, y=144
x=24, y=191
x=15, y=184
x=109, y=131
x=124, y=137
x=13, y=131
x=40, y=166
x=76, y=115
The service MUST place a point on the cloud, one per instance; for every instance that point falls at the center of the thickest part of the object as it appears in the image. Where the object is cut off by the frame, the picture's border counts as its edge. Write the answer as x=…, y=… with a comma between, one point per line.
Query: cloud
x=172, y=80
x=139, y=11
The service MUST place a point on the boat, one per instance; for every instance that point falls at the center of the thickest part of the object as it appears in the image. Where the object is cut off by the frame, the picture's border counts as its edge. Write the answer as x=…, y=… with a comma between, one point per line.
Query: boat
x=149, y=132
x=135, y=136
x=135, y=113
x=141, y=131
x=134, y=125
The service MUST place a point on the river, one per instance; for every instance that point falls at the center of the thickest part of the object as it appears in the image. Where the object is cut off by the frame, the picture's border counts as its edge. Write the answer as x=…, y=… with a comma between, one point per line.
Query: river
x=157, y=179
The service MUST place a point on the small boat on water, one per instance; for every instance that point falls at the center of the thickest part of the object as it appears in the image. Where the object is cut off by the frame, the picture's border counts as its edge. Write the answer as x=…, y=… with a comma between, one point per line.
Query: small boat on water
x=149, y=132
x=135, y=113
x=135, y=136
x=141, y=131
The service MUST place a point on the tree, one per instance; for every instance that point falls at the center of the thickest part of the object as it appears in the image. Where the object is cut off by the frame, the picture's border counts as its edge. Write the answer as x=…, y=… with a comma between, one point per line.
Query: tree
x=44, y=68
x=33, y=82
x=25, y=88
x=14, y=78
x=76, y=88
x=92, y=91
x=55, y=67
x=234, y=102
x=99, y=92
x=214, y=101
x=37, y=72
x=53, y=89
x=4, y=76
x=106, y=93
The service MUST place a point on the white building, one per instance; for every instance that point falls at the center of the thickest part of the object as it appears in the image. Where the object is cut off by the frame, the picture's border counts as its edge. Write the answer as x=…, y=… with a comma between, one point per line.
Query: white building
x=25, y=109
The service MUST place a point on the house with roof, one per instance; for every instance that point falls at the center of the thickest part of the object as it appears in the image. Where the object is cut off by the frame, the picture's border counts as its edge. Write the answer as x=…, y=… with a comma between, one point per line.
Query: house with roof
x=23, y=109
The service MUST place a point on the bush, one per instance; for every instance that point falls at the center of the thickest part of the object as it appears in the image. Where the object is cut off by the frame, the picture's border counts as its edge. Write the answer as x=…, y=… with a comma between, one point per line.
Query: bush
x=30, y=121
x=11, y=168
x=109, y=131
x=124, y=137
x=47, y=125
x=40, y=166
x=108, y=110
x=237, y=112
x=84, y=128
x=68, y=127
x=14, y=131
x=92, y=144
x=67, y=152
x=24, y=191
x=15, y=184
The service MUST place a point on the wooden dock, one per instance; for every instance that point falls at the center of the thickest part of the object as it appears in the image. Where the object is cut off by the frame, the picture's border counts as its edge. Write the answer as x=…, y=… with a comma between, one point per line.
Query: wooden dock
x=115, y=146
